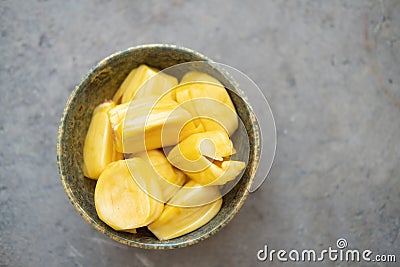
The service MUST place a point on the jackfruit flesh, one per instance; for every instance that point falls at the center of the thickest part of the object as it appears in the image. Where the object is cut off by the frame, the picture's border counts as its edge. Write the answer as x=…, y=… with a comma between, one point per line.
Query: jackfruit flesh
x=204, y=157
x=176, y=221
x=171, y=179
x=98, y=148
x=145, y=81
x=152, y=116
x=121, y=195
x=206, y=97
x=149, y=123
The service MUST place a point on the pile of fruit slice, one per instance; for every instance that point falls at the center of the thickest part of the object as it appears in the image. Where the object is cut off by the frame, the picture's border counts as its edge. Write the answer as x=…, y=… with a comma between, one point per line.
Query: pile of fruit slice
x=160, y=150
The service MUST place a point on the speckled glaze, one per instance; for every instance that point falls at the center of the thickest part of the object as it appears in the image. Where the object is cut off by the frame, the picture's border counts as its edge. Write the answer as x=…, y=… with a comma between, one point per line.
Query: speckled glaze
x=101, y=83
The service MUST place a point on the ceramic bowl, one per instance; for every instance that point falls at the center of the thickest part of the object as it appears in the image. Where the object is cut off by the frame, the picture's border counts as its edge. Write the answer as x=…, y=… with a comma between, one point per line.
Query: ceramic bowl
x=101, y=83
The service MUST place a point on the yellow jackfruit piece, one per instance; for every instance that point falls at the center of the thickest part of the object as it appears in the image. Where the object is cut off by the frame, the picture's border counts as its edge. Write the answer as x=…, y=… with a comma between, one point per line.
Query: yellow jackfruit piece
x=176, y=221
x=195, y=76
x=172, y=178
x=203, y=157
x=205, y=97
x=151, y=123
x=120, y=92
x=218, y=173
x=194, y=149
x=117, y=117
x=146, y=81
x=98, y=149
x=121, y=195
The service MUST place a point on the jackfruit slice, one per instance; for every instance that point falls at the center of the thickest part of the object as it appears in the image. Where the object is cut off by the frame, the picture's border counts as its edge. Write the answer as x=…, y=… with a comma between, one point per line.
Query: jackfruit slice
x=146, y=81
x=121, y=90
x=205, y=97
x=171, y=178
x=176, y=221
x=204, y=157
x=98, y=149
x=150, y=123
x=121, y=195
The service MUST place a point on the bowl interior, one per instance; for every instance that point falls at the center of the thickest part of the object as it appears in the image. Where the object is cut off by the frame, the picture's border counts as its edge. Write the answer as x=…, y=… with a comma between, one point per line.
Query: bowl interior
x=100, y=84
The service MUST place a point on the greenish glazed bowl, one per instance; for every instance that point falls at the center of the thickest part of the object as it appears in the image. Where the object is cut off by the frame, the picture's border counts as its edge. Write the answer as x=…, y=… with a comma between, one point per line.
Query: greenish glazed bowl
x=101, y=83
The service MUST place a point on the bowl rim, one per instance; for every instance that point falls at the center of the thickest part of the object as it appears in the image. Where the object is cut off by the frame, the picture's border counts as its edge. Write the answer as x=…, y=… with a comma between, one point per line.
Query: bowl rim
x=135, y=243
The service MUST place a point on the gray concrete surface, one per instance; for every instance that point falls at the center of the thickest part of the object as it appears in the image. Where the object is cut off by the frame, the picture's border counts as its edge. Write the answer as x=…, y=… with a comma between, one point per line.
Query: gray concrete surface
x=330, y=69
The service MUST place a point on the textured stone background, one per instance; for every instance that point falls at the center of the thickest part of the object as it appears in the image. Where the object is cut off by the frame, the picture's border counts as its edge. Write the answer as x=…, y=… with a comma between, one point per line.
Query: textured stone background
x=330, y=69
